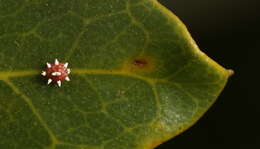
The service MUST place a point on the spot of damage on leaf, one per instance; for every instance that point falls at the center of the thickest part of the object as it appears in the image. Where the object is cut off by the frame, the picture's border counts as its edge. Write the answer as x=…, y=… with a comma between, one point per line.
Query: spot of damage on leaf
x=142, y=64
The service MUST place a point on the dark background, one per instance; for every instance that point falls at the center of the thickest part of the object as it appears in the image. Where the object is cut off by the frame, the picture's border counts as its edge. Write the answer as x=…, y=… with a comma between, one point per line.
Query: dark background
x=227, y=31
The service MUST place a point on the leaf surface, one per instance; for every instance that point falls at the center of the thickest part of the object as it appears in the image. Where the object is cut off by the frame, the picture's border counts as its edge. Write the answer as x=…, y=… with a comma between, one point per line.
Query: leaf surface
x=137, y=79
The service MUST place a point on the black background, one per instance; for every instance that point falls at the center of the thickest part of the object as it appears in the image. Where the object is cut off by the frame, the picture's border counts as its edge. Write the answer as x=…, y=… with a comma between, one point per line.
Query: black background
x=227, y=31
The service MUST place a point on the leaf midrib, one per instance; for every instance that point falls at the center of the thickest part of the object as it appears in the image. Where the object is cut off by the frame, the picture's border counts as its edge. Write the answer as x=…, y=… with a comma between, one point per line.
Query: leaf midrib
x=5, y=75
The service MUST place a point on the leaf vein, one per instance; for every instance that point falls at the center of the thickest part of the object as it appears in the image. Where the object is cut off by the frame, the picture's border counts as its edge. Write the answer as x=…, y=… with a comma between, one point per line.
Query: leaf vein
x=33, y=108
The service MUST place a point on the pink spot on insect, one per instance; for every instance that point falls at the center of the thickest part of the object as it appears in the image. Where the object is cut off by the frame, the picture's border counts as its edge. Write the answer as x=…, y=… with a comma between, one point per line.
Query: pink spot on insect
x=56, y=72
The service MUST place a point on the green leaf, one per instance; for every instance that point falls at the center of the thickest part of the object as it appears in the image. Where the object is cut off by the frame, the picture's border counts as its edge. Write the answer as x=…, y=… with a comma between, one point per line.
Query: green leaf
x=138, y=78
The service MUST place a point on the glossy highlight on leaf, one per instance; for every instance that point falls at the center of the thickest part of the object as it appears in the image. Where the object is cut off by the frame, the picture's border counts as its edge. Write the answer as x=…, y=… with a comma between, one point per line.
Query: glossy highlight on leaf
x=137, y=77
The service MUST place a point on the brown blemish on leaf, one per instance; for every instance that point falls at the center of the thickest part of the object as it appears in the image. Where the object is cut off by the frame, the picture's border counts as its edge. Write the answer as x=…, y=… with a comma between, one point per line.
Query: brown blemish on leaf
x=121, y=92
x=142, y=64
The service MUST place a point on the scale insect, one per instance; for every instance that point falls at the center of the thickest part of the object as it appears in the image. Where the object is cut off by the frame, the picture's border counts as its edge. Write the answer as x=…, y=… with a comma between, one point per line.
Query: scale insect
x=56, y=72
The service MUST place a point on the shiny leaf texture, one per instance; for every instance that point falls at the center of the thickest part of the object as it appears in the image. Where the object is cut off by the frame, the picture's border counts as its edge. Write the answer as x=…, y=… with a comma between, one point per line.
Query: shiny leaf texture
x=137, y=77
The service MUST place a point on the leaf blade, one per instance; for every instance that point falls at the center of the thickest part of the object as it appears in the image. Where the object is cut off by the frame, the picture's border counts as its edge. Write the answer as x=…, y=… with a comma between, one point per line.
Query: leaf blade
x=138, y=78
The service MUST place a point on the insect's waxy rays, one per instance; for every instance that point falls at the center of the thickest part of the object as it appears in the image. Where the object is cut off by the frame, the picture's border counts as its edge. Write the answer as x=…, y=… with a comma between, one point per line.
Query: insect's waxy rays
x=56, y=72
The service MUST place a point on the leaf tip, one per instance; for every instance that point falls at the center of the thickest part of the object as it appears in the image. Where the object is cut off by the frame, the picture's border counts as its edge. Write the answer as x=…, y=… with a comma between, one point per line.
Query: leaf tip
x=230, y=72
